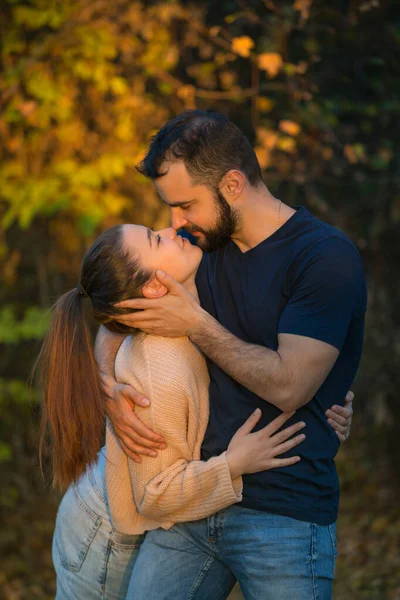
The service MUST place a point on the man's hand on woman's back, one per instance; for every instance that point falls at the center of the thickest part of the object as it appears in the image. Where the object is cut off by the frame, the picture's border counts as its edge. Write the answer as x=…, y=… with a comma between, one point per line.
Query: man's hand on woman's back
x=135, y=437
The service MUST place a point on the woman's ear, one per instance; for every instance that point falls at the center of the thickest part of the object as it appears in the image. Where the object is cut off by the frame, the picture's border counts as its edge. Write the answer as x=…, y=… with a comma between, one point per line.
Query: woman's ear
x=154, y=289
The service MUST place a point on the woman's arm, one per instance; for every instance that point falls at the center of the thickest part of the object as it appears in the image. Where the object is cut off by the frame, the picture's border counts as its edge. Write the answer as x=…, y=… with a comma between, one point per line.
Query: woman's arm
x=172, y=487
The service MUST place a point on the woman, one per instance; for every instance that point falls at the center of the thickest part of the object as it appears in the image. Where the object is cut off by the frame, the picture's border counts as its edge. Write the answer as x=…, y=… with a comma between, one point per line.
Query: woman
x=110, y=502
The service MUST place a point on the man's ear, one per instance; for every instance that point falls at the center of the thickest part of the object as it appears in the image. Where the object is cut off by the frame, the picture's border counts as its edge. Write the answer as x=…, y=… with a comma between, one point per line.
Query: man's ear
x=154, y=289
x=232, y=183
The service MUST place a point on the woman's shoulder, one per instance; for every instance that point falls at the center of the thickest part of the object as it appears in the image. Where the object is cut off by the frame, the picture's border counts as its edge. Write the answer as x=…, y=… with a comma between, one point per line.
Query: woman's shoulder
x=175, y=358
x=176, y=353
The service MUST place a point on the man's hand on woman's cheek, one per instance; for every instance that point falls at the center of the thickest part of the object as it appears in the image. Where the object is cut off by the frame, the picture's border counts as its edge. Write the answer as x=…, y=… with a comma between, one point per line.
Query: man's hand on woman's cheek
x=174, y=315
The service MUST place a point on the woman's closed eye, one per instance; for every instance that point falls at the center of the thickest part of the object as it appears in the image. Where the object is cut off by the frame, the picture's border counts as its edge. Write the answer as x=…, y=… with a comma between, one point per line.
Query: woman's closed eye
x=158, y=240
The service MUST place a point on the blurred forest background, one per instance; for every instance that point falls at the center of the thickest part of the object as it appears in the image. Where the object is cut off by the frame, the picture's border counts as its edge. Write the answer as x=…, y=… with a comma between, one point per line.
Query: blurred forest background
x=83, y=85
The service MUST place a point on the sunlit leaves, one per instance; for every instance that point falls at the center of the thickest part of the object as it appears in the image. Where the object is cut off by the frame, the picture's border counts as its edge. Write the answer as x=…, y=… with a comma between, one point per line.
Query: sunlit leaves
x=271, y=62
x=40, y=14
x=354, y=153
x=242, y=45
x=267, y=137
x=290, y=127
x=264, y=105
x=303, y=6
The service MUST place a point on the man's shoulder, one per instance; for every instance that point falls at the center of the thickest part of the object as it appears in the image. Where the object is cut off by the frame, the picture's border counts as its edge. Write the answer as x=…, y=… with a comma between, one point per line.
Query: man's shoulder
x=323, y=239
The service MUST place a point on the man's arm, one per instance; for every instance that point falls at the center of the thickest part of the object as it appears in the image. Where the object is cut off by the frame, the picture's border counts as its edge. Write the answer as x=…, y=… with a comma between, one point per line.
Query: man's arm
x=327, y=290
x=287, y=378
x=105, y=350
x=135, y=437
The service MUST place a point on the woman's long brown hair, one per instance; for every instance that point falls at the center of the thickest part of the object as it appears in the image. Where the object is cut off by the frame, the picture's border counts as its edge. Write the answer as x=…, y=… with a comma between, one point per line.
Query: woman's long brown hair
x=74, y=407
x=73, y=398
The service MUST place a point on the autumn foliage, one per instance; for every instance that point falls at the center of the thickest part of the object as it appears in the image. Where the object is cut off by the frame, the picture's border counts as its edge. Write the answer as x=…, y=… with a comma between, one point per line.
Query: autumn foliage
x=85, y=83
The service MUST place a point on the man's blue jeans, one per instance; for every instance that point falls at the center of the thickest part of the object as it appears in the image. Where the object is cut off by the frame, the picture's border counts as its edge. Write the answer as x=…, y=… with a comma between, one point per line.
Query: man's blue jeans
x=272, y=557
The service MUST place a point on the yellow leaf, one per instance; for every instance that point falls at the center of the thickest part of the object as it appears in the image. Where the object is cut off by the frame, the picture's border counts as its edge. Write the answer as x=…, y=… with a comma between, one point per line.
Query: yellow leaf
x=27, y=108
x=186, y=92
x=290, y=127
x=214, y=31
x=287, y=144
x=354, y=153
x=118, y=86
x=263, y=156
x=327, y=153
x=228, y=79
x=271, y=62
x=242, y=45
x=303, y=6
x=267, y=137
x=264, y=104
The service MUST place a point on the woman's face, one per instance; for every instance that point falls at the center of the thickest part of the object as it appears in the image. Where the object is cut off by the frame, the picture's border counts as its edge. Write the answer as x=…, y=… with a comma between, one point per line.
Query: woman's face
x=164, y=250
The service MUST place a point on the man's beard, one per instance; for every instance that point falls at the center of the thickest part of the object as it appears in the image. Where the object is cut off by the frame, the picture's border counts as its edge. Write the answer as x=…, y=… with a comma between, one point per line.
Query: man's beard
x=227, y=223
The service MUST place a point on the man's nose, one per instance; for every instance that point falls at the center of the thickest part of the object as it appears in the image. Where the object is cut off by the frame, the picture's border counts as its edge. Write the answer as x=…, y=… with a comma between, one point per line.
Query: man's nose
x=168, y=232
x=177, y=220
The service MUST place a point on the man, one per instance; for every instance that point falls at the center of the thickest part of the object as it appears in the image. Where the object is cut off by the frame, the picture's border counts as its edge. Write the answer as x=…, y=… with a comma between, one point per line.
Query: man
x=281, y=322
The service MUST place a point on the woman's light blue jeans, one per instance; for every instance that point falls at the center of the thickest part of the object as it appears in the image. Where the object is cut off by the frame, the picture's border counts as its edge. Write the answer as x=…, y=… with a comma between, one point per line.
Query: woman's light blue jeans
x=273, y=558
x=92, y=560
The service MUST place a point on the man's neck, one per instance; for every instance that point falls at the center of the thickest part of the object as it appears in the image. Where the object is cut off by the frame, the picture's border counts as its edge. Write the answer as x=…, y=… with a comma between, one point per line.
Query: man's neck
x=261, y=216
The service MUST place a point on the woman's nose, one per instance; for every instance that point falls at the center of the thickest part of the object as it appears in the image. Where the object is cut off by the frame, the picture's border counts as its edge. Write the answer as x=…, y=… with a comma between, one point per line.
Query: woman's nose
x=168, y=232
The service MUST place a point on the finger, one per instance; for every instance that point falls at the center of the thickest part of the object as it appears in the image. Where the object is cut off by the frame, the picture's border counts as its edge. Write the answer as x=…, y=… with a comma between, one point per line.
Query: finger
x=134, y=396
x=139, y=440
x=341, y=437
x=169, y=282
x=251, y=422
x=337, y=427
x=349, y=397
x=277, y=463
x=277, y=423
x=282, y=448
x=284, y=435
x=138, y=449
x=130, y=454
x=345, y=412
x=136, y=304
x=134, y=319
x=137, y=428
x=334, y=416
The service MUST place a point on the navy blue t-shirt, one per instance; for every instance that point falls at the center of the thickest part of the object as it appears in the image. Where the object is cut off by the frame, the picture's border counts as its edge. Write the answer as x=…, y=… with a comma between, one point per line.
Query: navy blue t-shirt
x=305, y=279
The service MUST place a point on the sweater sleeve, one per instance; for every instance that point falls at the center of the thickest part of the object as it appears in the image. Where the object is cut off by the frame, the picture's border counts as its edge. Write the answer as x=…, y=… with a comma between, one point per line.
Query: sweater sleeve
x=173, y=486
x=187, y=490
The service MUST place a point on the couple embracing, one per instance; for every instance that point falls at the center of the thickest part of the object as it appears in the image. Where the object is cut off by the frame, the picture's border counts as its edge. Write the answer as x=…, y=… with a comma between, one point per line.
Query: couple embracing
x=236, y=353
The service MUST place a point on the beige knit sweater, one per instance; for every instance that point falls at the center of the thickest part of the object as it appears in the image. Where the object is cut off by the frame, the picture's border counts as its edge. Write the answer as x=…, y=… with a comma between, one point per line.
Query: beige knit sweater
x=175, y=486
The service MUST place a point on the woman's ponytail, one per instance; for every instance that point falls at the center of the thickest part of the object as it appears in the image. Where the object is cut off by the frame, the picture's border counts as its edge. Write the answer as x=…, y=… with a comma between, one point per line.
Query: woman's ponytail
x=73, y=397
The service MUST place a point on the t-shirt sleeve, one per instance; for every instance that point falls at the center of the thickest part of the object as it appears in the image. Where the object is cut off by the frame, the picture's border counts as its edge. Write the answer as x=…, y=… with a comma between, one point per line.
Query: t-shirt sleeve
x=326, y=292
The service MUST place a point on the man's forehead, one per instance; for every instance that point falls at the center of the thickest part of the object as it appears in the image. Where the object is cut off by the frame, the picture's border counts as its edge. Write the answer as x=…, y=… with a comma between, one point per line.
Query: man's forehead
x=173, y=188
x=174, y=171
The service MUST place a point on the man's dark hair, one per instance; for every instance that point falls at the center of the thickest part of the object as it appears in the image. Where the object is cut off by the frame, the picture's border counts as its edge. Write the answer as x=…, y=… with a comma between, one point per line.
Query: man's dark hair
x=209, y=145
